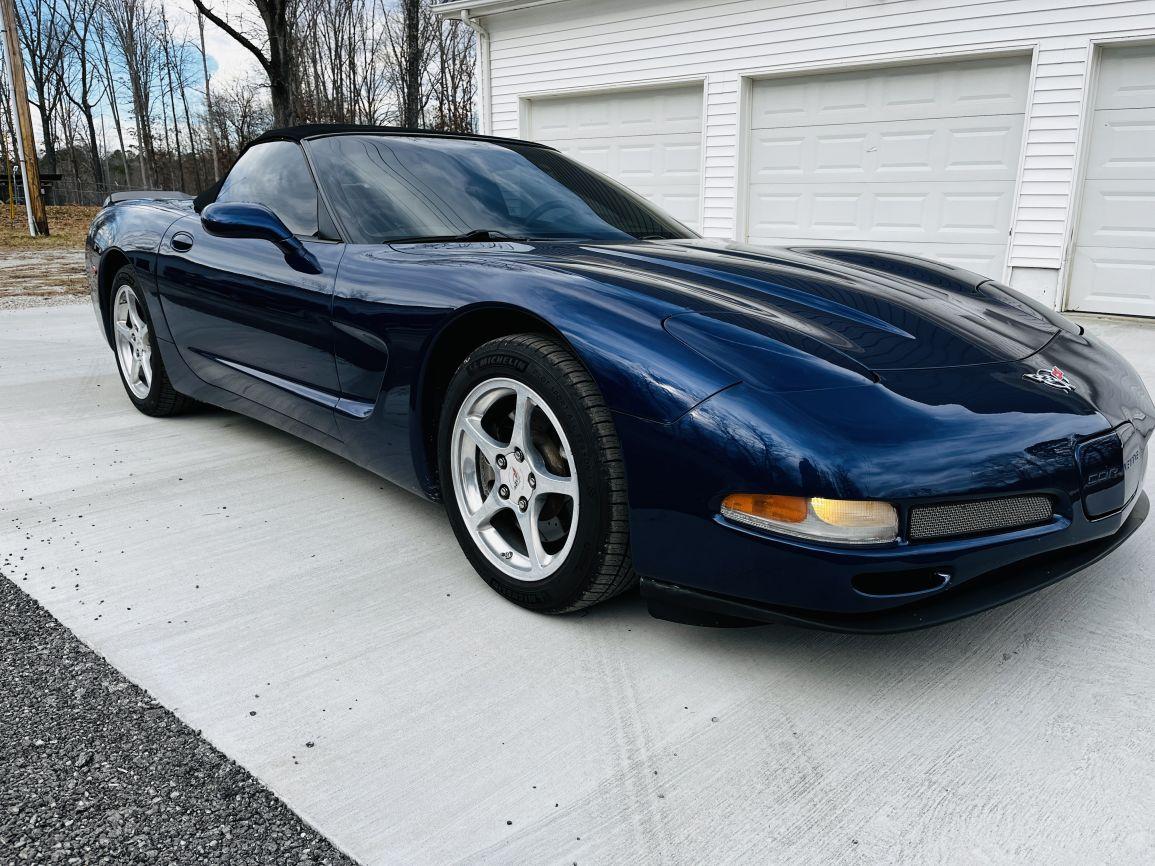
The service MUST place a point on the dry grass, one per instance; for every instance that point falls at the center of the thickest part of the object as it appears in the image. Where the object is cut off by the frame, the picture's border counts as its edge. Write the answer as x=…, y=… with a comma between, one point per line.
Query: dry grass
x=67, y=224
x=43, y=267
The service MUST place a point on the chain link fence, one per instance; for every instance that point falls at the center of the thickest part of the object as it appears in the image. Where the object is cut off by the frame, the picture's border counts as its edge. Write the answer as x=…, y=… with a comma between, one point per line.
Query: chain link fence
x=67, y=191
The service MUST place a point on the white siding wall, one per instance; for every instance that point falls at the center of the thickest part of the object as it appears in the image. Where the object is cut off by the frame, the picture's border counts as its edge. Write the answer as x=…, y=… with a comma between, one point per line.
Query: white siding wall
x=579, y=44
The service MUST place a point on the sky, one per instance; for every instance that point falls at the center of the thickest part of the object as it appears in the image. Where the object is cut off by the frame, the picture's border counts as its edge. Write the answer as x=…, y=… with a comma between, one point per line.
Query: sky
x=232, y=62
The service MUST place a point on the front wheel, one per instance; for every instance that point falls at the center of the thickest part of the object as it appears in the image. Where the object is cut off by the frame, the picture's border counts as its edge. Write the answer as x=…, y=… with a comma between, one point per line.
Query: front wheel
x=532, y=476
x=137, y=354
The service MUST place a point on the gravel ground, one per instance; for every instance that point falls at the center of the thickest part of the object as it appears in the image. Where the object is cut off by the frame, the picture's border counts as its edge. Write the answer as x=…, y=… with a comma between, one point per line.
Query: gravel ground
x=49, y=271
x=20, y=302
x=93, y=770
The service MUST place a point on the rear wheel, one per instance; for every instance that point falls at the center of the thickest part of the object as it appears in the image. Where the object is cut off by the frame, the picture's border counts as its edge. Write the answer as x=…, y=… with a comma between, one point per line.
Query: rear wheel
x=532, y=476
x=137, y=354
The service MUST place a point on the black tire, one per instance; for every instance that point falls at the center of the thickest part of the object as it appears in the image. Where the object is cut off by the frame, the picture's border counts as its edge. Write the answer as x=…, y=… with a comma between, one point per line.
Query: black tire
x=162, y=399
x=598, y=565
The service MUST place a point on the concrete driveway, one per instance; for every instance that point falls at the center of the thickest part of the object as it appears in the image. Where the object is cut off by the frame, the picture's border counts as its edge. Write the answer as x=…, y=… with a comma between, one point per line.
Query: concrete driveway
x=320, y=627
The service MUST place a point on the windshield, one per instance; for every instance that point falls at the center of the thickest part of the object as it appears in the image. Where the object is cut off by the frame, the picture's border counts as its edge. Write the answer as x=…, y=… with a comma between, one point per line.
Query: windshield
x=389, y=188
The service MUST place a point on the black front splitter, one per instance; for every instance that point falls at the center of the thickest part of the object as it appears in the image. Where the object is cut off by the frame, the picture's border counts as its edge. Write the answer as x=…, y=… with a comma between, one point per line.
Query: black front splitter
x=682, y=604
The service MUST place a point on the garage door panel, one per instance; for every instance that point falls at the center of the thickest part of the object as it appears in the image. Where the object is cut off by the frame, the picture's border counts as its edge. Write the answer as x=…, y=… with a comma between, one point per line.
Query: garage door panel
x=980, y=258
x=670, y=158
x=1111, y=280
x=1126, y=78
x=568, y=119
x=596, y=157
x=681, y=205
x=975, y=149
x=924, y=158
x=641, y=113
x=676, y=157
x=1113, y=264
x=988, y=87
x=1116, y=215
x=1123, y=143
x=938, y=212
x=987, y=148
x=650, y=140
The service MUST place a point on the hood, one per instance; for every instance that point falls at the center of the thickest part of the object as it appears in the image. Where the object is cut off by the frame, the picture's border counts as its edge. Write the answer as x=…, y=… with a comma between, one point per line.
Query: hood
x=866, y=312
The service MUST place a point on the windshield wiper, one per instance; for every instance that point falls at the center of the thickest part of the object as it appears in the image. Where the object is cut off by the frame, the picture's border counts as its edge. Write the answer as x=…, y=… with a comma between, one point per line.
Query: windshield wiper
x=464, y=237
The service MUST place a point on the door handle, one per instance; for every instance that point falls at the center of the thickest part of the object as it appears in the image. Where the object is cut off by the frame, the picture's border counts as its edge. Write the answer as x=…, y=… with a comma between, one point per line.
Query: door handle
x=182, y=242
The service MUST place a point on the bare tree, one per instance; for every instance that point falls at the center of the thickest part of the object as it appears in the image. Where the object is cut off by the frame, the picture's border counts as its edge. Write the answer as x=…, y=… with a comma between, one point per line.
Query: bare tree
x=43, y=35
x=409, y=33
x=102, y=39
x=134, y=24
x=342, y=67
x=209, y=122
x=277, y=58
x=454, y=82
x=241, y=112
x=183, y=73
x=81, y=17
x=371, y=89
x=414, y=62
x=167, y=46
x=364, y=61
x=7, y=145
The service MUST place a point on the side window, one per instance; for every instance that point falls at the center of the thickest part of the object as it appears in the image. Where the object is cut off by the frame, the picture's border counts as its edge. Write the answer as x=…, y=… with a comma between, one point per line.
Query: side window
x=276, y=175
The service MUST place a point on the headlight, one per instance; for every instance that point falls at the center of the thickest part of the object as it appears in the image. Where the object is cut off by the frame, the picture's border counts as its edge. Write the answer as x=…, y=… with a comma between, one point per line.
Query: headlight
x=843, y=521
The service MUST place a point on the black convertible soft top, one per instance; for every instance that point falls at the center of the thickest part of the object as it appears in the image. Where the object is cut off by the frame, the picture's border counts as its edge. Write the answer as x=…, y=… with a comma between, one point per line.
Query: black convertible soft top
x=319, y=130
x=134, y=194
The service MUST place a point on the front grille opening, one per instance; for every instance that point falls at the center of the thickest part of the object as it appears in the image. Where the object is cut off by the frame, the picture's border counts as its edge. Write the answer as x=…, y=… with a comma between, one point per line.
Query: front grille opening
x=892, y=583
x=957, y=519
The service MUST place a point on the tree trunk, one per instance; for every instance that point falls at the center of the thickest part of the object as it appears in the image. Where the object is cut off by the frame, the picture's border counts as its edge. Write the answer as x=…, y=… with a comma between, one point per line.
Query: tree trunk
x=141, y=162
x=281, y=64
x=172, y=96
x=192, y=144
x=46, y=119
x=281, y=93
x=172, y=182
x=94, y=150
x=210, y=121
x=73, y=159
x=278, y=64
x=413, y=64
x=115, y=110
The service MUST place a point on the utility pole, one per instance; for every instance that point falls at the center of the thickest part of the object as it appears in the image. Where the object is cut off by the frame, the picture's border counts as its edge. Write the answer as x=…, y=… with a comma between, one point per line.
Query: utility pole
x=25, y=141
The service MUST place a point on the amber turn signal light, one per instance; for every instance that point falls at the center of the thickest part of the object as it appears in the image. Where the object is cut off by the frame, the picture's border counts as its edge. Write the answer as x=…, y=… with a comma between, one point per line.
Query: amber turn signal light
x=788, y=509
x=842, y=521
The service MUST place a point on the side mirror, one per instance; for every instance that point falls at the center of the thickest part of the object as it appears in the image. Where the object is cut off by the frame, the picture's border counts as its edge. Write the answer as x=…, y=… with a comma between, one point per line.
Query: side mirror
x=236, y=219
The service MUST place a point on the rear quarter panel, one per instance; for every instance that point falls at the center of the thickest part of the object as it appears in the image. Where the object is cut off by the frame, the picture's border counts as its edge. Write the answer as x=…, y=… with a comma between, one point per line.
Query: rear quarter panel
x=129, y=232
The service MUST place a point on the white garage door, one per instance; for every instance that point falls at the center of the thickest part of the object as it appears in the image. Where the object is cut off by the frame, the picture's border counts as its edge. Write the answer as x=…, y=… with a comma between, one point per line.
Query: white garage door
x=1114, y=259
x=650, y=140
x=921, y=159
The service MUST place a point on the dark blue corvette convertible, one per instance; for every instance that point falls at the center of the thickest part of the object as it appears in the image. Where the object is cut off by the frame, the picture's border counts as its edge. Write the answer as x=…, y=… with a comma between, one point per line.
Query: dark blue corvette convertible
x=837, y=438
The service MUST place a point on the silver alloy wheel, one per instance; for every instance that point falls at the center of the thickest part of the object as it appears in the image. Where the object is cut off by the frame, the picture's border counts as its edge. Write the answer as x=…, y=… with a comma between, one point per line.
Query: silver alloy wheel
x=515, y=482
x=133, y=349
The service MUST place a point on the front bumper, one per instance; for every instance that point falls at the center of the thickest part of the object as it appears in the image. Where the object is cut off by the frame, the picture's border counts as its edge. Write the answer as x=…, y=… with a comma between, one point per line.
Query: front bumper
x=919, y=438
x=983, y=592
